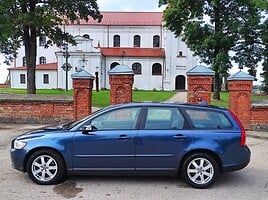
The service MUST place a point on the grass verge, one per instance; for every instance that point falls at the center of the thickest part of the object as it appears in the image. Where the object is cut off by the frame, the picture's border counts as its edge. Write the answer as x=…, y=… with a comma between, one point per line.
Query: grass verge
x=224, y=102
x=101, y=98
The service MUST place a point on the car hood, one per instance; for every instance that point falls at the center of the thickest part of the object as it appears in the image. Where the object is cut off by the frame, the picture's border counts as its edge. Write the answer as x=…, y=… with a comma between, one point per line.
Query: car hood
x=55, y=129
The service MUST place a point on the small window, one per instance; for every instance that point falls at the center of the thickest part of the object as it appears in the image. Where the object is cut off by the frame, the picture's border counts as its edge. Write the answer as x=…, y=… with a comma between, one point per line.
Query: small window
x=205, y=119
x=118, y=119
x=22, y=78
x=156, y=41
x=42, y=60
x=114, y=64
x=136, y=67
x=137, y=41
x=42, y=41
x=164, y=118
x=46, y=79
x=117, y=41
x=24, y=61
x=156, y=69
x=180, y=54
x=86, y=36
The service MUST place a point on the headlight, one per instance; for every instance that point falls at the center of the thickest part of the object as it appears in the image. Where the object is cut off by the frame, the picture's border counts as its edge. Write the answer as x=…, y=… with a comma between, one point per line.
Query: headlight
x=19, y=144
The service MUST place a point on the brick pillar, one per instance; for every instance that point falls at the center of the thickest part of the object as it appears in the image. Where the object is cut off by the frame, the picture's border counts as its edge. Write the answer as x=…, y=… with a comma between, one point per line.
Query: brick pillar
x=82, y=84
x=199, y=79
x=121, y=79
x=240, y=87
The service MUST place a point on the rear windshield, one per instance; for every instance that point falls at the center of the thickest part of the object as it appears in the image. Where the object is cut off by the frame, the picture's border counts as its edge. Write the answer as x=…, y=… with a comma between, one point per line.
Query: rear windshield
x=207, y=119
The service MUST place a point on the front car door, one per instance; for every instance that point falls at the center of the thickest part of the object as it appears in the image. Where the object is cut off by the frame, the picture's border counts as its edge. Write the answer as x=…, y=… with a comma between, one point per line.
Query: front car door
x=162, y=140
x=109, y=146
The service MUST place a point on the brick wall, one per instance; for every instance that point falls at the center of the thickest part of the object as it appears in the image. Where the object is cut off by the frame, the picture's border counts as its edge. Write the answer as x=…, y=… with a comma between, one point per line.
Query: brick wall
x=4, y=85
x=121, y=88
x=49, y=108
x=35, y=108
x=240, y=100
x=199, y=88
x=259, y=116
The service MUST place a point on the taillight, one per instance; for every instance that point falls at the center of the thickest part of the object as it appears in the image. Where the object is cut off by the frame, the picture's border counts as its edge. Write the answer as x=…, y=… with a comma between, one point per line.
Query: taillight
x=243, y=131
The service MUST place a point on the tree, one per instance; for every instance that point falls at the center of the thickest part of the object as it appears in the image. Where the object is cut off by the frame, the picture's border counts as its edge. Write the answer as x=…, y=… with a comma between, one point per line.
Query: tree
x=248, y=48
x=22, y=21
x=265, y=55
x=227, y=28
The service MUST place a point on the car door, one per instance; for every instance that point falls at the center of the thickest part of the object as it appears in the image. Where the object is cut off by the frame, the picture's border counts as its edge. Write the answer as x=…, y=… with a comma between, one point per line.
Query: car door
x=162, y=140
x=110, y=145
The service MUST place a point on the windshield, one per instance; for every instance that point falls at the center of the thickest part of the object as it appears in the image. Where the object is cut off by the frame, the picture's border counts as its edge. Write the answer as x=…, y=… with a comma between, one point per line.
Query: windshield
x=72, y=124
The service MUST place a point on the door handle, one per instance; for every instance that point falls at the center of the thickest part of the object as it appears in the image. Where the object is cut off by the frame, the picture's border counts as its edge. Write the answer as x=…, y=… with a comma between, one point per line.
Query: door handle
x=179, y=137
x=123, y=137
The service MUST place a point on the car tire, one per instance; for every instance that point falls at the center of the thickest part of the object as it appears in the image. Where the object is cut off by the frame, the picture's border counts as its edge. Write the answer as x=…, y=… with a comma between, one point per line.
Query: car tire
x=46, y=167
x=200, y=170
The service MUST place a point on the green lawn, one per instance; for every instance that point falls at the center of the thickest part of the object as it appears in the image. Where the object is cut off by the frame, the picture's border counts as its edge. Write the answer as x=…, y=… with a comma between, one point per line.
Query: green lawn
x=223, y=102
x=102, y=98
x=225, y=96
x=43, y=91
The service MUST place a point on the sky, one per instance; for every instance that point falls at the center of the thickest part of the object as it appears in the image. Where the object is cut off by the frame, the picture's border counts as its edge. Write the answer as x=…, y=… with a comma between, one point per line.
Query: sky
x=105, y=5
x=129, y=5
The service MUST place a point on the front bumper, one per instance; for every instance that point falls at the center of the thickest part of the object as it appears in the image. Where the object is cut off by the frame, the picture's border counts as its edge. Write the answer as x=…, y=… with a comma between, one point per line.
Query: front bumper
x=18, y=159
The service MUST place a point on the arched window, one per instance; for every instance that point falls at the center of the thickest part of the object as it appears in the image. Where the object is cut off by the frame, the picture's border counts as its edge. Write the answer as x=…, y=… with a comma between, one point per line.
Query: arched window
x=24, y=61
x=117, y=41
x=86, y=36
x=156, y=69
x=156, y=41
x=42, y=60
x=180, y=82
x=137, y=41
x=136, y=67
x=114, y=64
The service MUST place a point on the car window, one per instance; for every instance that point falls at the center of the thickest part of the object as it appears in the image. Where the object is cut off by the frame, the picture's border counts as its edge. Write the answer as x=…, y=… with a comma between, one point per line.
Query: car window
x=125, y=118
x=207, y=119
x=164, y=118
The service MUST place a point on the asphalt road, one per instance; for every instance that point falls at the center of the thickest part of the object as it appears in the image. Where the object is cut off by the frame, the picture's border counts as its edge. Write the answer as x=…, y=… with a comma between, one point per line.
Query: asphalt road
x=250, y=183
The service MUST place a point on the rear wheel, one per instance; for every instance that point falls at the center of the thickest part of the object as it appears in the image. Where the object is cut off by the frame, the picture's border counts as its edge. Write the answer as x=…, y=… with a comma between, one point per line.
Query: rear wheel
x=46, y=167
x=200, y=170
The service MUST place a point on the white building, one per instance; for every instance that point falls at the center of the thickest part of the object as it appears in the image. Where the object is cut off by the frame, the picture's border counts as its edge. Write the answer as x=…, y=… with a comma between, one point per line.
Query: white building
x=136, y=39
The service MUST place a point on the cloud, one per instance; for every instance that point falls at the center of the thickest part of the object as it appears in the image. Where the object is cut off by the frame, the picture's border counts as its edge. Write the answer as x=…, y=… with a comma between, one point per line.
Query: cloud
x=129, y=5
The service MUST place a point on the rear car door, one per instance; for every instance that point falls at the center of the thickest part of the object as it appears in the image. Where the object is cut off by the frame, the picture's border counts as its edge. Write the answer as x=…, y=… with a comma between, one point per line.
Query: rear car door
x=162, y=140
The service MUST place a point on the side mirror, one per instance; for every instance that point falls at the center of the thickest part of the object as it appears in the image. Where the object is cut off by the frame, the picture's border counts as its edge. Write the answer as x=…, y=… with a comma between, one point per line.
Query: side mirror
x=87, y=128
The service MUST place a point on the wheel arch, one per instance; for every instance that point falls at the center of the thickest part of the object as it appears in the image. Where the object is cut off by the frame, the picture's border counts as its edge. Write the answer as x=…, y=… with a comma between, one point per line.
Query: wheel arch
x=205, y=151
x=38, y=149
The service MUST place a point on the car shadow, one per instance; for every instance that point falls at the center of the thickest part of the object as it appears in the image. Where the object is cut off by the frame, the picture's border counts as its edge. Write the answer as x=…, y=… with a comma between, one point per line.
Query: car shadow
x=130, y=180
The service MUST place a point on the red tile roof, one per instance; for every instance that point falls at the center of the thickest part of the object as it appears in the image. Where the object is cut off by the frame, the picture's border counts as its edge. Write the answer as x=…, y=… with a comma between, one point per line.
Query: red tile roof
x=50, y=66
x=128, y=19
x=133, y=52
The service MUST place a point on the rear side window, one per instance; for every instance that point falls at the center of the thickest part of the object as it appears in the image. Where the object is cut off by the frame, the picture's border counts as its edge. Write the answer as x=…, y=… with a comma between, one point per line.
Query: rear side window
x=206, y=119
x=164, y=118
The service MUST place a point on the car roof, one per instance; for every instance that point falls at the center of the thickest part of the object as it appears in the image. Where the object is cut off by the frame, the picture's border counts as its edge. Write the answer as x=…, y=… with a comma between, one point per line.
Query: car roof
x=172, y=104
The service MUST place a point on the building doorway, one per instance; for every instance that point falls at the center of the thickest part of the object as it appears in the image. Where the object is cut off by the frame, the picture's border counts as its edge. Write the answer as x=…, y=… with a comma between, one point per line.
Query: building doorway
x=180, y=82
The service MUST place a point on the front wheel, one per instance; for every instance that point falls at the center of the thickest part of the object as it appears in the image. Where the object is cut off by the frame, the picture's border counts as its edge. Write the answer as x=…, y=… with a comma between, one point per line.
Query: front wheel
x=46, y=167
x=200, y=170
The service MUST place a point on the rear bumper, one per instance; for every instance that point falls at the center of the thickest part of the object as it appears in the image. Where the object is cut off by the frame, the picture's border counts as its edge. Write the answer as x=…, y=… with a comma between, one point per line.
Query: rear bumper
x=242, y=164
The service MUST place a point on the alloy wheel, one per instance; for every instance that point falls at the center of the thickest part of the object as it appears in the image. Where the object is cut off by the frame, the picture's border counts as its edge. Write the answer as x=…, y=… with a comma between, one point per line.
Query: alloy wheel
x=44, y=168
x=200, y=171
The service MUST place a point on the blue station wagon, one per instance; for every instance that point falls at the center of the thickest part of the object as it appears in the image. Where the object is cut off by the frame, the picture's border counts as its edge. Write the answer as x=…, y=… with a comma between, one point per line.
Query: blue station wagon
x=197, y=142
